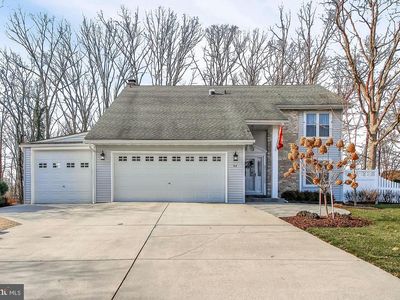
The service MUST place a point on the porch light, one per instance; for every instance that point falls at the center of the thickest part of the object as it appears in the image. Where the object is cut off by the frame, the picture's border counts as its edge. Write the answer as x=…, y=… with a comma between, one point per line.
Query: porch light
x=102, y=155
x=235, y=156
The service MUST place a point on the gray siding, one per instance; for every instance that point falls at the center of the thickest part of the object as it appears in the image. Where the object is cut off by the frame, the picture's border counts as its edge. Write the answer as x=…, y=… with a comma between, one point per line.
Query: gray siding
x=333, y=154
x=27, y=175
x=235, y=169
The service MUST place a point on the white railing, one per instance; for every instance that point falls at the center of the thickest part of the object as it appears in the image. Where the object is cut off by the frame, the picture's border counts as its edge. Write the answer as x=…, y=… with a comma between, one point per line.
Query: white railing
x=370, y=180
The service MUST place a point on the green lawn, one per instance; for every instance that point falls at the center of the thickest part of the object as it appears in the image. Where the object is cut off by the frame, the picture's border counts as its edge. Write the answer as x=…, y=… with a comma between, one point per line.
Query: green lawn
x=378, y=243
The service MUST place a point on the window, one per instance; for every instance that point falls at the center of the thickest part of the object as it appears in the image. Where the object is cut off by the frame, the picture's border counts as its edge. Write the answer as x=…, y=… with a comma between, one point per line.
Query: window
x=135, y=158
x=56, y=165
x=122, y=158
x=42, y=165
x=189, y=158
x=149, y=158
x=202, y=158
x=176, y=158
x=84, y=165
x=309, y=178
x=70, y=165
x=216, y=158
x=317, y=124
x=162, y=158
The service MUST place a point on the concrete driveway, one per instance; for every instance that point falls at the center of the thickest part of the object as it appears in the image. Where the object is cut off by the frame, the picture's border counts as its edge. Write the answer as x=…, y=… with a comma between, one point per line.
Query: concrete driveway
x=177, y=251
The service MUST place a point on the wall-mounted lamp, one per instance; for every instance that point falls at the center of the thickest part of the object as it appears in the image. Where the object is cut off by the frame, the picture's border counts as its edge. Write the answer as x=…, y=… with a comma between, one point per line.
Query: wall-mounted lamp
x=102, y=155
x=235, y=156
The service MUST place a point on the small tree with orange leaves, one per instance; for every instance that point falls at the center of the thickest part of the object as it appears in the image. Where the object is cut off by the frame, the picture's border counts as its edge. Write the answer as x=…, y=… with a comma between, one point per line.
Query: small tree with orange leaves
x=319, y=169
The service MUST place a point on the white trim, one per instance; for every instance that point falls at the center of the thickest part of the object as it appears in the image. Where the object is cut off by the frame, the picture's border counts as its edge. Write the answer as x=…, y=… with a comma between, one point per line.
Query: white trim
x=244, y=174
x=169, y=152
x=171, y=142
x=57, y=138
x=266, y=122
x=32, y=176
x=317, y=123
x=253, y=155
x=57, y=146
x=311, y=106
x=93, y=151
x=274, y=163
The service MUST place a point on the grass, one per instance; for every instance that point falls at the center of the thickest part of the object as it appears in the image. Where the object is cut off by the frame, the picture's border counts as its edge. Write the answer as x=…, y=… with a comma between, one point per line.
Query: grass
x=378, y=243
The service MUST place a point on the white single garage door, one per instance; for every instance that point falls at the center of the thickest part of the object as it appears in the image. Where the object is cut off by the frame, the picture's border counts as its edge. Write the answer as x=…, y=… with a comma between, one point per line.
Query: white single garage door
x=181, y=177
x=63, y=176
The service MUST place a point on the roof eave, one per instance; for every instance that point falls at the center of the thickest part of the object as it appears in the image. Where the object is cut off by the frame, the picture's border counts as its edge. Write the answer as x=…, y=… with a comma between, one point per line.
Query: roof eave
x=171, y=142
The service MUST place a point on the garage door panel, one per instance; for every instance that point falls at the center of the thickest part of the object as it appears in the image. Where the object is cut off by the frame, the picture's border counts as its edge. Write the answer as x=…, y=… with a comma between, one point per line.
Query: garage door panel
x=62, y=179
x=188, y=181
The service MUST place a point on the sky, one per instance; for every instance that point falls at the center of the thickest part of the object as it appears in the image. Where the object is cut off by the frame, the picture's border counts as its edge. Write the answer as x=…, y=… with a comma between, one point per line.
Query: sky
x=246, y=14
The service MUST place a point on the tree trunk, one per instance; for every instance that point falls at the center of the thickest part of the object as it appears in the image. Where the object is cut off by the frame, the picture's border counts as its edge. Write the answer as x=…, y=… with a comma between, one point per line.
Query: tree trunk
x=372, y=152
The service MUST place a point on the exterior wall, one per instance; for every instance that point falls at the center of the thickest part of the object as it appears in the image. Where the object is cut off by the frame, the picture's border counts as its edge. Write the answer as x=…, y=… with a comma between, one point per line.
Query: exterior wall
x=27, y=175
x=333, y=153
x=291, y=134
x=235, y=169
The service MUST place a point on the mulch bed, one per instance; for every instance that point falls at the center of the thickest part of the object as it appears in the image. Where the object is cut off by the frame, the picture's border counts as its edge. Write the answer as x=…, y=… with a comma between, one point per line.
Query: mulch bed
x=339, y=221
x=6, y=223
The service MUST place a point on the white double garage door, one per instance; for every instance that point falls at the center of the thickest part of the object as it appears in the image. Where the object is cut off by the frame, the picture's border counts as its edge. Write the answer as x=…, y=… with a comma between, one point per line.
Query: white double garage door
x=169, y=176
x=67, y=176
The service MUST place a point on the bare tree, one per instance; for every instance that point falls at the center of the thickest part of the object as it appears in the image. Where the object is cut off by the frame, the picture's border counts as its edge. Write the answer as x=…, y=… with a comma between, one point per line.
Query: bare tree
x=372, y=53
x=41, y=36
x=170, y=43
x=219, y=54
x=252, y=52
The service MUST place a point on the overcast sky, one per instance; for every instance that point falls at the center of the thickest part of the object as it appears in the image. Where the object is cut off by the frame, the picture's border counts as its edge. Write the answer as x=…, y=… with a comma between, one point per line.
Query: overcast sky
x=246, y=14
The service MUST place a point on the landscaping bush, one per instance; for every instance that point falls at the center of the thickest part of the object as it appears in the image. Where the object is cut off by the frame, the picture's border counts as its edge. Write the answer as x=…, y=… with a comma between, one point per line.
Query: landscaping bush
x=371, y=197
x=302, y=197
x=3, y=191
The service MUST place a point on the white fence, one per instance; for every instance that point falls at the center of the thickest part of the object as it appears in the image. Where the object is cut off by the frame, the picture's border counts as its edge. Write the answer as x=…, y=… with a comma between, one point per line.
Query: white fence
x=370, y=180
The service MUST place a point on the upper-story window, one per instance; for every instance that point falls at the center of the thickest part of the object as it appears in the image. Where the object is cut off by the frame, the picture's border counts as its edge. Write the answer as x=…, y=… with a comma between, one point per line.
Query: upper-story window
x=317, y=124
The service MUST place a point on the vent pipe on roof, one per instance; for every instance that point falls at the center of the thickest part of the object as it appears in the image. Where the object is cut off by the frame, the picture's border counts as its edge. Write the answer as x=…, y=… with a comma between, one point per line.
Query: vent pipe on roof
x=211, y=92
x=131, y=82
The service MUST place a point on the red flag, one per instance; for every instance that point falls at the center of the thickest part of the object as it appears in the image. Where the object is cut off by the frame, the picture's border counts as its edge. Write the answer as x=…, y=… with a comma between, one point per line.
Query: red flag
x=279, y=144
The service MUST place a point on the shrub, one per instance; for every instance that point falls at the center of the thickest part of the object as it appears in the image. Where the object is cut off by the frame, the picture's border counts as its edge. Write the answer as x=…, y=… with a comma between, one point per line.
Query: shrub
x=307, y=214
x=306, y=196
x=3, y=188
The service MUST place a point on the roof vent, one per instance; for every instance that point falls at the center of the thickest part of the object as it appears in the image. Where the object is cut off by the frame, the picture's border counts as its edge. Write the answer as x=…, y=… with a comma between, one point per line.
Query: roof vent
x=211, y=92
x=131, y=82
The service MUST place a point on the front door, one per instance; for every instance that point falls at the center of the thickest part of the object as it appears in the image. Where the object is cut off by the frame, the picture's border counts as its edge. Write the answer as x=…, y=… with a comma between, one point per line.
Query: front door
x=254, y=175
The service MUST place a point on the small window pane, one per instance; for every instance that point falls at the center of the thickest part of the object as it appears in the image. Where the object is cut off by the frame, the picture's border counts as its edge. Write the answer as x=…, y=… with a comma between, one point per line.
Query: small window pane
x=189, y=158
x=122, y=158
x=311, y=127
x=84, y=165
x=56, y=165
x=202, y=158
x=149, y=158
x=324, y=125
x=135, y=158
x=216, y=158
x=70, y=165
x=162, y=158
x=176, y=158
x=42, y=165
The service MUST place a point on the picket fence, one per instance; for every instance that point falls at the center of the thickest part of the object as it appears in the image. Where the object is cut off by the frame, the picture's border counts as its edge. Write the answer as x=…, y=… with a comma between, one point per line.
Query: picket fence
x=370, y=180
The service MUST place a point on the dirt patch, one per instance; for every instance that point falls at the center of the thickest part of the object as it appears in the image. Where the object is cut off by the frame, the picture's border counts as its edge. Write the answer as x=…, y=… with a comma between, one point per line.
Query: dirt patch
x=303, y=222
x=6, y=223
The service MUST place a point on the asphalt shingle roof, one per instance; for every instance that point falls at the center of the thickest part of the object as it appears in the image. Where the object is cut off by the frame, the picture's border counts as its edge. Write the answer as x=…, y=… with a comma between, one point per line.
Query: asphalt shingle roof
x=189, y=113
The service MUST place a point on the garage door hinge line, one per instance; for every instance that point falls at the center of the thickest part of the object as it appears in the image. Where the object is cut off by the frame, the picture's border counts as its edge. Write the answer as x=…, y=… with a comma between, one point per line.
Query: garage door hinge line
x=144, y=244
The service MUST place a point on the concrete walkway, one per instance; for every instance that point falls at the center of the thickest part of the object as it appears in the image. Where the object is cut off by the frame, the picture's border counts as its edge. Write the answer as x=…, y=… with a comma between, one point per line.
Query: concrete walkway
x=177, y=251
x=291, y=209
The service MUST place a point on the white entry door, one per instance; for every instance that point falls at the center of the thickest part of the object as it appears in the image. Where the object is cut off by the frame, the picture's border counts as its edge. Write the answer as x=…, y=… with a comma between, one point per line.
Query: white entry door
x=254, y=176
x=181, y=177
x=63, y=176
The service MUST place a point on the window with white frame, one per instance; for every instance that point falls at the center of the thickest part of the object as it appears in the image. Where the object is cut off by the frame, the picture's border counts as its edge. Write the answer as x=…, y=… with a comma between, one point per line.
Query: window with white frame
x=189, y=158
x=216, y=158
x=70, y=165
x=135, y=158
x=176, y=158
x=317, y=124
x=162, y=158
x=122, y=158
x=202, y=158
x=56, y=165
x=84, y=165
x=149, y=158
x=42, y=165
